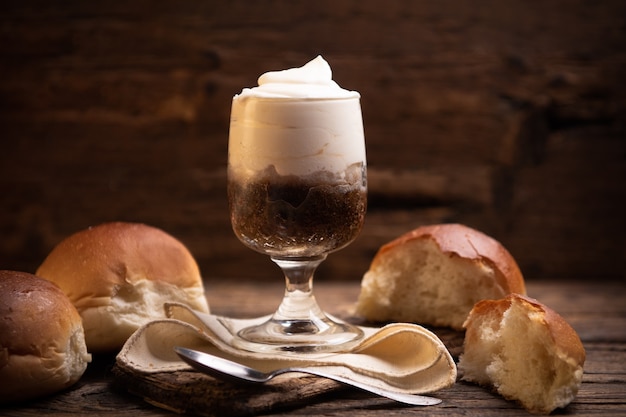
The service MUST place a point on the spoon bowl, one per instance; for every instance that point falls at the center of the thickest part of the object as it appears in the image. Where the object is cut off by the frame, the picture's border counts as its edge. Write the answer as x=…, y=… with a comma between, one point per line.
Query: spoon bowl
x=225, y=369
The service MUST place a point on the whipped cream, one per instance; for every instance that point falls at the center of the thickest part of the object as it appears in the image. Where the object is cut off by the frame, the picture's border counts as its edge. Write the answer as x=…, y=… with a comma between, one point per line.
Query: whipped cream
x=299, y=120
x=313, y=80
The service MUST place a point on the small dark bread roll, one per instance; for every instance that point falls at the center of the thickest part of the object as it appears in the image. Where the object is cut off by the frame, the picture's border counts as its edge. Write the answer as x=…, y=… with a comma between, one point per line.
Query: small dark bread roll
x=42, y=343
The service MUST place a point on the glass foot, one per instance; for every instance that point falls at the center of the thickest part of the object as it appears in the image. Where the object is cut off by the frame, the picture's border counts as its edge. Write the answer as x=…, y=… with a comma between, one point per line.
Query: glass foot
x=299, y=336
x=299, y=324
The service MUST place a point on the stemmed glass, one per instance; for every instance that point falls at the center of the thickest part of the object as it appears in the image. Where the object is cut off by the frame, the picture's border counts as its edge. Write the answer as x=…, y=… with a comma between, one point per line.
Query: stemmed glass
x=297, y=191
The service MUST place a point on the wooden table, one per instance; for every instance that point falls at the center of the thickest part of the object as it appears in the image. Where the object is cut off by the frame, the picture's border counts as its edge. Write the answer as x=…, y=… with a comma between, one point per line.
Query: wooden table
x=596, y=310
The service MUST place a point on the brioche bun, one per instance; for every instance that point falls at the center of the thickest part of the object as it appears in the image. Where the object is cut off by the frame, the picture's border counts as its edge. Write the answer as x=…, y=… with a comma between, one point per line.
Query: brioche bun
x=525, y=351
x=435, y=274
x=42, y=344
x=119, y=275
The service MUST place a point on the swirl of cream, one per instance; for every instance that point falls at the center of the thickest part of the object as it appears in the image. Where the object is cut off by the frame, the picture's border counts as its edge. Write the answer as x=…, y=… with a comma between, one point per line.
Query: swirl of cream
x=312, y=80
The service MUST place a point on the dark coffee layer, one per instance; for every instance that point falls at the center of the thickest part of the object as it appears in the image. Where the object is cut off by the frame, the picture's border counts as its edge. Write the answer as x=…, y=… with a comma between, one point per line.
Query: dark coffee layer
x=298, y=216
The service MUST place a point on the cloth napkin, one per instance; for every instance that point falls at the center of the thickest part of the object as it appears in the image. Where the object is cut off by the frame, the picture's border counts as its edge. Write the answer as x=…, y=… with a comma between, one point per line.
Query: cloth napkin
x=401, y=357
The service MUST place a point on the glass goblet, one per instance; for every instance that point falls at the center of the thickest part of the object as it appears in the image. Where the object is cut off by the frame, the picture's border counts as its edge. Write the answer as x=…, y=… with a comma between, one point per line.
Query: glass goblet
x=297, y=194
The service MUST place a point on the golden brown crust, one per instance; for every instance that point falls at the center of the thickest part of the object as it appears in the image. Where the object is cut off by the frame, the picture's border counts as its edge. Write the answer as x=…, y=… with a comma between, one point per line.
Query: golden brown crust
x=93, y=262
x=465, y=242
x=484, y=307
x=24, y=301
x=119, y=275
x=42, y=346
x=565, y=337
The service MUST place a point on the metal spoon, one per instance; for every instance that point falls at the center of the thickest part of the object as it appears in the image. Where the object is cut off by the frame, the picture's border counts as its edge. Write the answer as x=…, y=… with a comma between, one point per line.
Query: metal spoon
x=225, y=369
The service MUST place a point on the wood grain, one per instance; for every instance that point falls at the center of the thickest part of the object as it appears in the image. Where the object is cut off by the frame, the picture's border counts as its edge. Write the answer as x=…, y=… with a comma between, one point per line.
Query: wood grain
x=201, y=395
x=505, y=117
x=597, y=311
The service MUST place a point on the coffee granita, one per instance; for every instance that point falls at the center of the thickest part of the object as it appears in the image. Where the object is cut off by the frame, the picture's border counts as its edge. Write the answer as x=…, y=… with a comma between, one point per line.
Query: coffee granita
x=291, y=215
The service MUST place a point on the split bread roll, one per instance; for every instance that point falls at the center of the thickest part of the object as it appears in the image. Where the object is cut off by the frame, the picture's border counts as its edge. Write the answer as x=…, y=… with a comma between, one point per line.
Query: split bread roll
x=42, y=344
x=119, y=275
x=525, y=351
x=435, y=274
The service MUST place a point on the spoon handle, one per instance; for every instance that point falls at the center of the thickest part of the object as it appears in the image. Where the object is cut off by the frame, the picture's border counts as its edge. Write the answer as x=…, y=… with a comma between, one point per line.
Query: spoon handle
x=412, y=399
x=225, y=369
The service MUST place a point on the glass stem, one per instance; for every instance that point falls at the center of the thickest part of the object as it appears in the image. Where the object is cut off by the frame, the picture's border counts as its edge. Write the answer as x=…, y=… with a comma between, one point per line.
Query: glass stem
x=299, y=324
x=299, y=311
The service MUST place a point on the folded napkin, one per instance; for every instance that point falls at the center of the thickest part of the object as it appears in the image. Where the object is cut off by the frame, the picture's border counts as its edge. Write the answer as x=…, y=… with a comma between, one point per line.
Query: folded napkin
x=400, y=357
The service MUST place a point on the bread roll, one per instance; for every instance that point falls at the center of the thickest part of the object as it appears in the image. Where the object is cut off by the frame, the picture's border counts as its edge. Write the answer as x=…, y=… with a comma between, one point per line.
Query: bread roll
x=435, y=274
x=42, y=344
x=119, y=275
x=525, y=351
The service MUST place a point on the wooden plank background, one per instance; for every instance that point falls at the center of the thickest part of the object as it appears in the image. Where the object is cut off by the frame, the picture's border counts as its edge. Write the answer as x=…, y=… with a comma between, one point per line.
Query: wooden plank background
x=507, y=116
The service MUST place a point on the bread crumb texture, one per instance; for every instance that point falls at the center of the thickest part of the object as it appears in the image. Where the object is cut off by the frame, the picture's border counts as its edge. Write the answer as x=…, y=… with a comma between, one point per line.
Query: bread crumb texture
x=524, y=351
x=434, y=275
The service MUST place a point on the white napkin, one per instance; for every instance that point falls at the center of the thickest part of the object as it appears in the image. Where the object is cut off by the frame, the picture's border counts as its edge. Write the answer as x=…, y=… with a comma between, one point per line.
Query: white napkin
x=400, y=357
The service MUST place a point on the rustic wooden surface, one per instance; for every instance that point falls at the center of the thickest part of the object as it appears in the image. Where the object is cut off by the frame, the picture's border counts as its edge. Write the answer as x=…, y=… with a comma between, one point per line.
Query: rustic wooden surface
x=197, y=394
x=596, y=310
x=504, y=115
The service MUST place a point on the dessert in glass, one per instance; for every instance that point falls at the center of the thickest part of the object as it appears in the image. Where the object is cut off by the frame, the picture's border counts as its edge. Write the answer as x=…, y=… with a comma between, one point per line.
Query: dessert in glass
x=297, y=191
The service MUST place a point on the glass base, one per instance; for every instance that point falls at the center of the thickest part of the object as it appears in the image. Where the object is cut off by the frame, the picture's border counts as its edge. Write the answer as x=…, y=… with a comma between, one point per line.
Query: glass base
x=299, y=325
x=299, y=336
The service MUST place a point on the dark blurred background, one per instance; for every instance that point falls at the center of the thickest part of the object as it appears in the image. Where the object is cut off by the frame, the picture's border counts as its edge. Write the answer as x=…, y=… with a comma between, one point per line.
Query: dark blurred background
x=508, y=116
